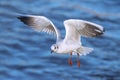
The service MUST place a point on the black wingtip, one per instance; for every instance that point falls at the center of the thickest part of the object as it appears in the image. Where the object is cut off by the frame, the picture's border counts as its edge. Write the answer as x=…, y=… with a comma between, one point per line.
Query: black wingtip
x=24, y=19
x=103, y=30
x=19, y=17
x=102, y=33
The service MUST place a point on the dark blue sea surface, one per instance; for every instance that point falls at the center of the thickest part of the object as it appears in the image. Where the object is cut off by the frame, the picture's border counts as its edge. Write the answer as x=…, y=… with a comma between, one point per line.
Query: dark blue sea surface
x=25, y=54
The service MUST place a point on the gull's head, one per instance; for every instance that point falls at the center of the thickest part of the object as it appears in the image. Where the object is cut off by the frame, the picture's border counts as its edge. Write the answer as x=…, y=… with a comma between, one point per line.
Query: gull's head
x=54, y=48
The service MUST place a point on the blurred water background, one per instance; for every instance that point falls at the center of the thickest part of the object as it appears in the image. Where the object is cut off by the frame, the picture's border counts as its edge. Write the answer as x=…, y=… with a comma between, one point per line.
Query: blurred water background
x=25, y=54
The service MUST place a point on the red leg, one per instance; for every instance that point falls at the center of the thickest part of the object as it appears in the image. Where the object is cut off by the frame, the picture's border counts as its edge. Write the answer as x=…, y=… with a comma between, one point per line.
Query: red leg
x=78, y=60
x=70, y=59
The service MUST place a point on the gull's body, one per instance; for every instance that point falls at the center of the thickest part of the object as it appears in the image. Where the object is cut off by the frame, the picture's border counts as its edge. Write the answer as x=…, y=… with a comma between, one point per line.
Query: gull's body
x=75, y=28
x=67, y=47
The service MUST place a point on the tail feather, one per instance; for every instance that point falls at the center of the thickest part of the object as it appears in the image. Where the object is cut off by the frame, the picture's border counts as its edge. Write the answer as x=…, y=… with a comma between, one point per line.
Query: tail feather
x=83, y=50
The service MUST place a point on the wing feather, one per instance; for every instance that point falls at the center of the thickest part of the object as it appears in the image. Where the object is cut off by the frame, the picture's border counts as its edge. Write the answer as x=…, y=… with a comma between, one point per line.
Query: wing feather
x=40, y=23
x=76, y=28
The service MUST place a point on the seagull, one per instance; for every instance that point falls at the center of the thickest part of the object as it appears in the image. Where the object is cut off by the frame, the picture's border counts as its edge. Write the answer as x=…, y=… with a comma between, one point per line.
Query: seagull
x=75, y=28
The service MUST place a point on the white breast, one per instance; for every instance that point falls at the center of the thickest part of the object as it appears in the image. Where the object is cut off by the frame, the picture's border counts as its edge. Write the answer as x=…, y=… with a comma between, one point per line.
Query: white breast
x=67, y=47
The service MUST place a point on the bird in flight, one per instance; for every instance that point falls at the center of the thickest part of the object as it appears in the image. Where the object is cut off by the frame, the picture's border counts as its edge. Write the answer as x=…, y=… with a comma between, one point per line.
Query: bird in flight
x=75, y=28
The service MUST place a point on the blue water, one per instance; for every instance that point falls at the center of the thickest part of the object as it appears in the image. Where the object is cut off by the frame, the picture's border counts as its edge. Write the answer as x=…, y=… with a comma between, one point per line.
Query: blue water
x=25, y=54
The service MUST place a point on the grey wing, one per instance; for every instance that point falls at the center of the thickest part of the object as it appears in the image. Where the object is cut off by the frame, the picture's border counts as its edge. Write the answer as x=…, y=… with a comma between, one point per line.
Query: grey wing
x=40, y=23
x=76, y=28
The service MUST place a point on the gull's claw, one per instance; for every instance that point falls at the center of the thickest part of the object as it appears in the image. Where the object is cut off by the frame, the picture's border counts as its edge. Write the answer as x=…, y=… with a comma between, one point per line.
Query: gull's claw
x=78, y=59
x=70, y=60
x=78, y=63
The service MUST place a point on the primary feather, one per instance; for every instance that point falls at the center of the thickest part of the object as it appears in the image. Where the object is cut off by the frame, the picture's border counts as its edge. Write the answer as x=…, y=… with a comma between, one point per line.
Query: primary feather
x=76, y=28
x=40, y=23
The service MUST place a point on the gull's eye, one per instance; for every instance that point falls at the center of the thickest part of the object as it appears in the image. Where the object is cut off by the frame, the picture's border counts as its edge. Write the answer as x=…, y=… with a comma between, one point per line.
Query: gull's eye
x=55, y=47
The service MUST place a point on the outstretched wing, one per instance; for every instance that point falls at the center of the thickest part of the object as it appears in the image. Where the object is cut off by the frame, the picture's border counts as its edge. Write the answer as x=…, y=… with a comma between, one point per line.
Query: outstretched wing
x=40, y=23
x=76, y=28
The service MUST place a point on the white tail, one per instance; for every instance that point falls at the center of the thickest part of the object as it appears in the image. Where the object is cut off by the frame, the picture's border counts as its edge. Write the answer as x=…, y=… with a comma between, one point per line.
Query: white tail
x=83, y=50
